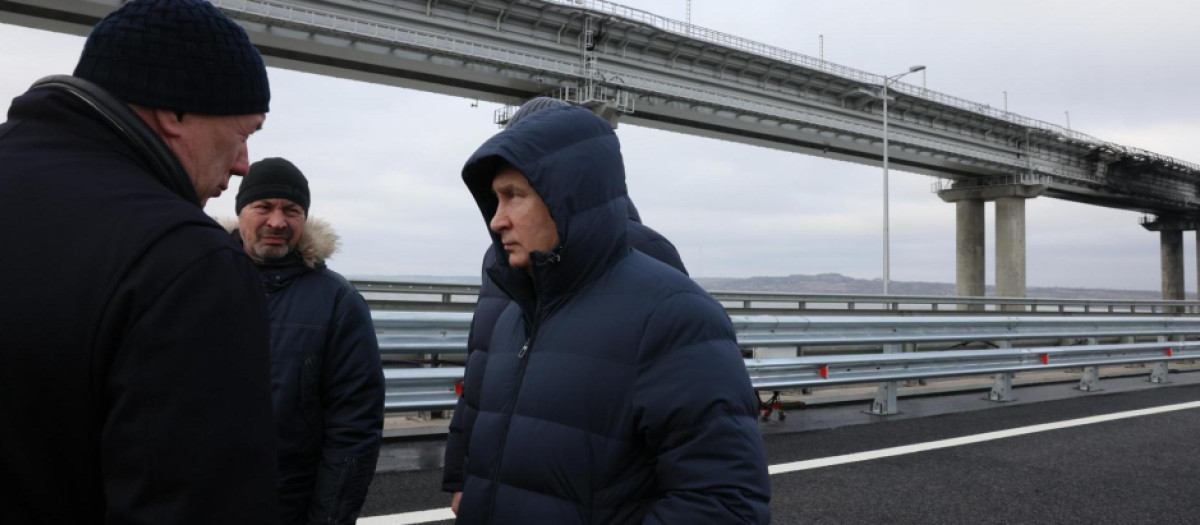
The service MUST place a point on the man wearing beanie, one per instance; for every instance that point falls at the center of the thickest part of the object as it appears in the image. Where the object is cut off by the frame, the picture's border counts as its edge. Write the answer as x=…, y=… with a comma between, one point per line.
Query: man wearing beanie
x=134, y=366
x=325, y=367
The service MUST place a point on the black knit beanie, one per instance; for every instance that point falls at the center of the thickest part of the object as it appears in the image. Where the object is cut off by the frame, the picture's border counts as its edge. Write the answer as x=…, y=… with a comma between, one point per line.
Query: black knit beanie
x=178, y=55
x=273, y=178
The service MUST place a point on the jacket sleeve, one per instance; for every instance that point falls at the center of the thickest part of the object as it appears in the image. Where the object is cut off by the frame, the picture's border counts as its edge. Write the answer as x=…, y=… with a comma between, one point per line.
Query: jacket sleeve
x=487, y=311
x=456, y=438
x=352, y=389
x=696, y=411
x=456, y=443
x=490, y=304
x=188, y=435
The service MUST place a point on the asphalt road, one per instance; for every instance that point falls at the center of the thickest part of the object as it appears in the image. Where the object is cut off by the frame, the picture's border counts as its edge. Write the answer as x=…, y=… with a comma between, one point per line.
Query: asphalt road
x=1142, y=469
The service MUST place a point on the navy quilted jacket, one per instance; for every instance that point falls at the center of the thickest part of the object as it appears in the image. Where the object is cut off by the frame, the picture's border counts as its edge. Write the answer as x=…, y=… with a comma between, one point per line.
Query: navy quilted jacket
x=491, y=304
x=613, y=390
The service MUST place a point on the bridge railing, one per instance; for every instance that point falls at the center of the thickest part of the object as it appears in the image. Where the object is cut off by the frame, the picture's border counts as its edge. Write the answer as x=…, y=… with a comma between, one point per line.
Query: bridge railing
x=391, y=34
x=384, y=294
x=417, y=389
x=800, y=59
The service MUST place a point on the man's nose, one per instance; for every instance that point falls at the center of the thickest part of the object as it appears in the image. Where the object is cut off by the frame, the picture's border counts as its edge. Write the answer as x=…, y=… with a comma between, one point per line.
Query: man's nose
x=276, y=220
x=241, y=166
x=499, y=221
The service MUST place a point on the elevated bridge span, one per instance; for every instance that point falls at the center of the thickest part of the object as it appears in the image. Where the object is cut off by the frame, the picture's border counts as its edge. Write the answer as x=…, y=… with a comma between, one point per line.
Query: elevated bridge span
x=661, y=73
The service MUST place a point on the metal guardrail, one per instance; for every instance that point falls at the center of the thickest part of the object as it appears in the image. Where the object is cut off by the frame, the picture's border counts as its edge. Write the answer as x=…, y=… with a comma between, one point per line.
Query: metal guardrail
x=384, y=294
x=803, y=372
x=446, y=332
x=417, y=389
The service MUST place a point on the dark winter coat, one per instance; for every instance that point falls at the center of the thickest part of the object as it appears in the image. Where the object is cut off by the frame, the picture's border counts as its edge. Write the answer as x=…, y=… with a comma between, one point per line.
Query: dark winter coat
x=613, y=390
x=134, y=373
x=326, y=381
x=492, y=302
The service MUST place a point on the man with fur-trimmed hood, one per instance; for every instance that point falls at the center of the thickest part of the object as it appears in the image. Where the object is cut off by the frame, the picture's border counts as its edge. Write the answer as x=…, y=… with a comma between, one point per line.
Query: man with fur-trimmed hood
x=326, y=377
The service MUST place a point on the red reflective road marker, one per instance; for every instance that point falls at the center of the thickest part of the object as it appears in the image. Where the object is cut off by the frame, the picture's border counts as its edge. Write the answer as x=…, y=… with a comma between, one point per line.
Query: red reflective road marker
x=824, y=371
x=1045, y=359
x=458, y=388
x=1169, y=352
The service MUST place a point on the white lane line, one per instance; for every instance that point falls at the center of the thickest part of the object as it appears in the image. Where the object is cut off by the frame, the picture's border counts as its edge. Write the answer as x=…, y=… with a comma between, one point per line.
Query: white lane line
x=427, y=516
x=410, y=518
x=967, y=440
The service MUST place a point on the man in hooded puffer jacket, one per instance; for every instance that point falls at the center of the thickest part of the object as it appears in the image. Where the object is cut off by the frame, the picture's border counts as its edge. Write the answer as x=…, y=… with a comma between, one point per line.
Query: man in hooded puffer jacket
x=326, y=377
x=613, y=390
x=492, y=302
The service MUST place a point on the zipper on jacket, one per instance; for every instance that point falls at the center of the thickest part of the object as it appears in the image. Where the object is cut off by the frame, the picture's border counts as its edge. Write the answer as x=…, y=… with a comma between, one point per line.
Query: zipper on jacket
x=532, y=334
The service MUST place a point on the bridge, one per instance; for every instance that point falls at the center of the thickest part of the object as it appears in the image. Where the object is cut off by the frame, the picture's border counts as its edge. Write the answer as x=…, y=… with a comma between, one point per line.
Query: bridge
x=639, y=68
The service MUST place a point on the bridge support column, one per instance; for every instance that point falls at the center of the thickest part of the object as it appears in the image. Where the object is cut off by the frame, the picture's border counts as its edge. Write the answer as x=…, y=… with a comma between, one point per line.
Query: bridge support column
x=1170, y=232
x=1010, y=237
x=1010, y=249
x=1172, y=264
x=970, y=251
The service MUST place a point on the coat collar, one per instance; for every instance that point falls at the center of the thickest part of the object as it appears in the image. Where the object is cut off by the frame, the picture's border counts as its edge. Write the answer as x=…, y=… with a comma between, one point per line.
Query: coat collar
x=318, y=243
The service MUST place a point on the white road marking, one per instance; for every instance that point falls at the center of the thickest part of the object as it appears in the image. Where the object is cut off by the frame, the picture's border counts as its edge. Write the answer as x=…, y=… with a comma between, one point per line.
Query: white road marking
x=409, y=518
x=967, y=440
x=427, y=516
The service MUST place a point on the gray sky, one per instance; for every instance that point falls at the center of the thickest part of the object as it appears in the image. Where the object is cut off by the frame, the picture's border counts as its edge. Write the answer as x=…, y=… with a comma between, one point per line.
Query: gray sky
x=383, y=162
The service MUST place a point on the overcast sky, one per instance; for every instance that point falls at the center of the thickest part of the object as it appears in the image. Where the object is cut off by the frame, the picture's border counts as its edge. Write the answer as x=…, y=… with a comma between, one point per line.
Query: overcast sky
x=384, y=162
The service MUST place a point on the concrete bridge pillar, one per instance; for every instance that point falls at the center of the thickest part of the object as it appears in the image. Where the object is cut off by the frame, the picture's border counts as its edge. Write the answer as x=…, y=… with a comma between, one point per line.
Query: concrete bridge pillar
x=1010, y=249
x=1170, y=232
x=970, y=251
x=1172, y=264
x=970, y=248
x=1010, y=238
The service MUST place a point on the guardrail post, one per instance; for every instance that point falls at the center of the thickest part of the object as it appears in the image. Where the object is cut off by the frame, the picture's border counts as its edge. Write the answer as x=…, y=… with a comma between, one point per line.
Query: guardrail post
x=1001, y=388
x=912, y=347
x=1159, y=373
x=1090, y=381
x=885, y=398
x=1002, y=383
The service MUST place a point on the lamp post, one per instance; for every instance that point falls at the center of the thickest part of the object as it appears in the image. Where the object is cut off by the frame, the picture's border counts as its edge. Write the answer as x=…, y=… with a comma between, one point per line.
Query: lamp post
x=887, y=81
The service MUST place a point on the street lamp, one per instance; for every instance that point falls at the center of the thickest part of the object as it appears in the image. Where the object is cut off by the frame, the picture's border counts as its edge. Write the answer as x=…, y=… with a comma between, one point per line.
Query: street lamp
x=887, y=81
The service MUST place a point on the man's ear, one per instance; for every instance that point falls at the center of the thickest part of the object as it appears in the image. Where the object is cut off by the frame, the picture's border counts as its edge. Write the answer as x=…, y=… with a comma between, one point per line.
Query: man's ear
x=169, y=123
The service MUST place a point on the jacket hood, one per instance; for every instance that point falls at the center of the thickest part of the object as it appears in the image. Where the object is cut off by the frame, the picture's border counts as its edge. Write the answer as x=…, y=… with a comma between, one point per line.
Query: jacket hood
x=317, y=244
x=633, y=211
x=572, y=158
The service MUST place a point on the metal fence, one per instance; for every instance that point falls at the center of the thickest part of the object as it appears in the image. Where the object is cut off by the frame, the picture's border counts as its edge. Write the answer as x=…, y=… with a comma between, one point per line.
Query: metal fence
x=417, y=389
